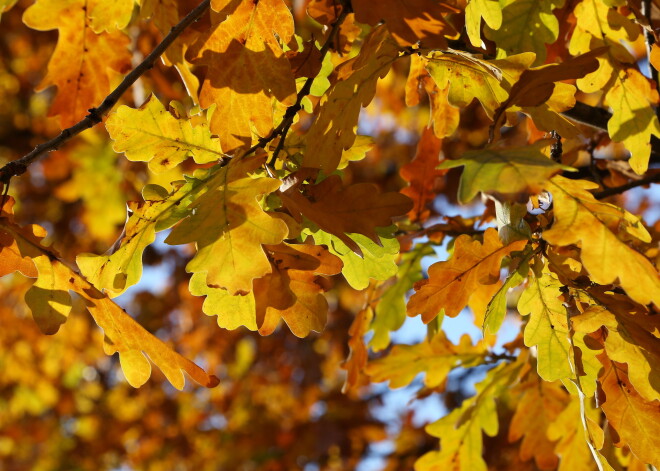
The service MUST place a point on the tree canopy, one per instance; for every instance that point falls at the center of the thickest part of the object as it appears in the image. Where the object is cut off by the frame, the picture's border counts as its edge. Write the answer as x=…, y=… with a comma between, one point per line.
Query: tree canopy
x=247, y=200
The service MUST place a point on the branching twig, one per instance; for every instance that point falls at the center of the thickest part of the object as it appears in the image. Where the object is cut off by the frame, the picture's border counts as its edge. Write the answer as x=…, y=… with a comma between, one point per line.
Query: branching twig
x=283, y=128
x=653, y=178
x=95, y=116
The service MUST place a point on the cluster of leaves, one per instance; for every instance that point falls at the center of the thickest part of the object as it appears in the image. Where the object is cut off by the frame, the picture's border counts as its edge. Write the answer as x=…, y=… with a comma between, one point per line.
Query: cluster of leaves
x=303, y=159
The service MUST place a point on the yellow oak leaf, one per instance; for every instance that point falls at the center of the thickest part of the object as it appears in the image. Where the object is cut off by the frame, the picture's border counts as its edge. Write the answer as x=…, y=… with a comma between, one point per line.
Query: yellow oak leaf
x=636, y=420
x=490, y=11
x=247, y=68
x=339, y=209
x=461, y=431
x=84, y=63
x=333, y=131
x=469, y=77
x=538, y=407
x=632, y=338
x=411, y=21
x=109, y=15
x=535, y=86
x=526, y=26
x=633, y=119
x=600, y=230
x=451, y=283
x=547, y=327
x=229, y=226
x=435, y=357
x=231, y=311
x=510, y=174
x=600, y=25
x=153, y=134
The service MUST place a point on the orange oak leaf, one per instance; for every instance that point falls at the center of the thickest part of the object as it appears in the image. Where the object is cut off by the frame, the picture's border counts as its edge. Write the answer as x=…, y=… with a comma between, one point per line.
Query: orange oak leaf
x=334, y=128
x=339, y=209
x=425, y=181
x=451, y=283
x=84, y=63
x=359, y=353
x=410, y=21
x=636, y=420
x=247, y=68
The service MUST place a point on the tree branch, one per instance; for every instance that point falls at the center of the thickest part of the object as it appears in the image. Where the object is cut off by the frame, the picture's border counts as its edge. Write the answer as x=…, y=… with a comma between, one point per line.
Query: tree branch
x=95, y=116
x=653, y=178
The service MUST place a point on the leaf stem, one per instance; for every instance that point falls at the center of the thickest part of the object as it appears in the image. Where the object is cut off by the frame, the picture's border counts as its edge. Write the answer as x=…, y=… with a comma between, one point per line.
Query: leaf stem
x=18, y=167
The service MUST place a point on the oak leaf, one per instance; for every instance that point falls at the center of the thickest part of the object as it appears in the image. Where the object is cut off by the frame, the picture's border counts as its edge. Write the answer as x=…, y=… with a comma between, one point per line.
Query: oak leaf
x=359, y=353
x=451, y=283
x=339, y=209
x=435, y=357
x=153, y=134
x=636, y=420
x=376, y=260
x=488, y=10
x=600, y=230
x=391, y=309
x=538, y=407
x=229, y=227
x=526, y=26
x=50, y=301
x=510, y=174
x=411, y=21
x=470, y=77
x=247, y=68
x=547, y=327
x=632, y=338
x=461, y=431
x=421, y=174
x=84, y=63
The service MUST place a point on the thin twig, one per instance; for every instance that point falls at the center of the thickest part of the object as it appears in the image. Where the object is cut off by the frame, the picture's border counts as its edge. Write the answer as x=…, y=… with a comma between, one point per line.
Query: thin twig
x=283, y=128
x=95, y=116
x=653, y=178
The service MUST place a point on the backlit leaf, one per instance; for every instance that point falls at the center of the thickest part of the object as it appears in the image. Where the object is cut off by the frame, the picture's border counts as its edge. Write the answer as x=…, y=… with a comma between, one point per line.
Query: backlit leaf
x=510, y=174
x=247, y=68
x=636, y=420
x=451, y=284
x=546, y=328
x=84, y=63
x=595, y=226
x=436, y=358
x=152, y=134
x=410, y=21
